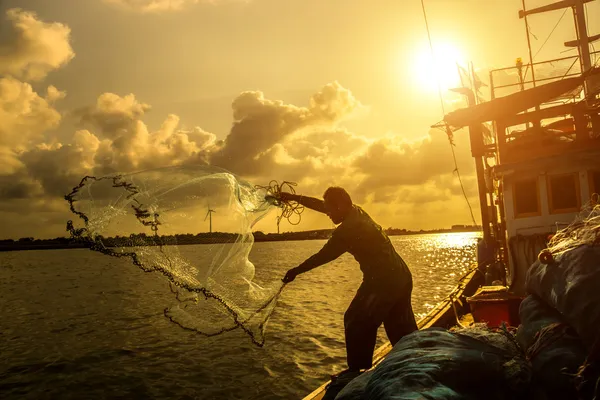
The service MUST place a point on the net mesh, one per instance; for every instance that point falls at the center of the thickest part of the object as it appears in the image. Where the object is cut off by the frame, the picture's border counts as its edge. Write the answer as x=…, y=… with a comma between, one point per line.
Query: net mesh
x=146, y=217
x=584, y=230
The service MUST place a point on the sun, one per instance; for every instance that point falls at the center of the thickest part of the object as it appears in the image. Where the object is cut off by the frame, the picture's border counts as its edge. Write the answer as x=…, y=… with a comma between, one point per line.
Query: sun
x=425, y=70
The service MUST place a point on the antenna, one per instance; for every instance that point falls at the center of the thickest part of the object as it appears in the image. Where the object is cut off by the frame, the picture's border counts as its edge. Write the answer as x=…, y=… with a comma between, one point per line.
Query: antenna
x=209, y=216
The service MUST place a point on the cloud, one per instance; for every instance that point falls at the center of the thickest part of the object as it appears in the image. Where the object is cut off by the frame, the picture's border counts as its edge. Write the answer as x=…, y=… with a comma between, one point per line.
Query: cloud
x=258, y=142
x=9, y=163
x=126, y=143
x=259, y=124
x=114, y=114
x=33, y=48
x=149, y=6
x=392, y=161
x=269, y=139
x=17, y=187
x=24, y=115
x=57, y=167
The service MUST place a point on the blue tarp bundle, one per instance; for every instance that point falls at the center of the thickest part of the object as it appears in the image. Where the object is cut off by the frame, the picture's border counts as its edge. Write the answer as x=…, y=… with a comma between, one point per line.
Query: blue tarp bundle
x=571, y=285
x=553, y=348
x=468, y=364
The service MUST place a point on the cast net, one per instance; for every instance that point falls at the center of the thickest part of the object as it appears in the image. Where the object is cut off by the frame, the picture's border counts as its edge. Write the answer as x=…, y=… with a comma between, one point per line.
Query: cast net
x=148, y=216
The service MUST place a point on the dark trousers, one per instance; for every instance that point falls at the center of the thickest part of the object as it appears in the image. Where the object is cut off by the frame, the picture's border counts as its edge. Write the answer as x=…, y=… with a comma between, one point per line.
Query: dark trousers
x=371, y=307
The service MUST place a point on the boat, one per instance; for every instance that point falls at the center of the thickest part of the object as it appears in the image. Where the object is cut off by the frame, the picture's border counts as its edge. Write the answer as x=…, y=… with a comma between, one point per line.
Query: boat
x=536, y=148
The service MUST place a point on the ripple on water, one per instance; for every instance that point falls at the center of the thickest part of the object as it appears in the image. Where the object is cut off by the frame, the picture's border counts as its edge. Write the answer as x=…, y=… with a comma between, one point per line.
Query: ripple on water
x=76, y=324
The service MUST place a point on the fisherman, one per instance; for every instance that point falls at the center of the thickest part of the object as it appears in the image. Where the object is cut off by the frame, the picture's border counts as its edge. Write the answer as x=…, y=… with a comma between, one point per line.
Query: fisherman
x=384, y=295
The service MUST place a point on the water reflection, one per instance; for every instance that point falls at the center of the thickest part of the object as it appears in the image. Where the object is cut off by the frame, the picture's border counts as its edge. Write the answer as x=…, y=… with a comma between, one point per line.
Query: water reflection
x=73, y=306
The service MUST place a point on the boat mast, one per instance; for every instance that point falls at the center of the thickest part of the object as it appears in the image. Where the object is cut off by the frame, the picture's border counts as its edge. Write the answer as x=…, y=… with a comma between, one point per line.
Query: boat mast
x=583, y=40
x=524, y=78
x=582, y=37
x=529, y=44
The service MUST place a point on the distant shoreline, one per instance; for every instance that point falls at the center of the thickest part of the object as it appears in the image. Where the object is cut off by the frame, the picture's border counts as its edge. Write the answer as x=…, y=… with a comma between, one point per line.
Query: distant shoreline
x=201, y=238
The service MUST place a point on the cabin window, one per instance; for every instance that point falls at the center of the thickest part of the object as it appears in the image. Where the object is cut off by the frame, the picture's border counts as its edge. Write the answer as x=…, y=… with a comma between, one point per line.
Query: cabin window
x=526, y=198
x=563, y=193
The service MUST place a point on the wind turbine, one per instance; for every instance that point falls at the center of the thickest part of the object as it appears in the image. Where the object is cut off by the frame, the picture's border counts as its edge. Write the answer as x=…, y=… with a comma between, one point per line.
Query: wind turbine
x=209, y=216
x=278, y=219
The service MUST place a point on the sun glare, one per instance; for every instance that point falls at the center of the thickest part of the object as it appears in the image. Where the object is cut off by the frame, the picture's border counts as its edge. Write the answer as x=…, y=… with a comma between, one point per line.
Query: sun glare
x=425, y=69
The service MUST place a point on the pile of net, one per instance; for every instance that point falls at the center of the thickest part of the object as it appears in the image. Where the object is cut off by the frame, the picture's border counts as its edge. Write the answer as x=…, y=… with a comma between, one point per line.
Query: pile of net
x=148, y=216
x=436, y=364
x=560, y=320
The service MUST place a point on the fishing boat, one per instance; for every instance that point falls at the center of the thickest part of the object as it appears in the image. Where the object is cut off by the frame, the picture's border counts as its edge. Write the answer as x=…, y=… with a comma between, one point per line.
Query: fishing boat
x=536, y=148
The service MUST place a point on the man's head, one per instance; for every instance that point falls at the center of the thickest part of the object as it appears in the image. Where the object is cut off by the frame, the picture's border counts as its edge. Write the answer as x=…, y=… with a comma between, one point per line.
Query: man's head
x=338, y=204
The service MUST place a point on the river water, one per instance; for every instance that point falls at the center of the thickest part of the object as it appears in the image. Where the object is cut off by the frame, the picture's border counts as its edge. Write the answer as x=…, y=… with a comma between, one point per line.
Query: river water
x=76, y=324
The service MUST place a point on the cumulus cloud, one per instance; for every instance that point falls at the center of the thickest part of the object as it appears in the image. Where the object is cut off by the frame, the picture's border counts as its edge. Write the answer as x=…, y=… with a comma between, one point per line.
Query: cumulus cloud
x=53, y=94
x=269, y=139
x=24, y=115
x=56, y=167
x=392, y=161
x=261, y=123
x=14, y=188
x=125, y=142
x=258, y=141
x=147, y=6
x=32, y=47
x=9, y=162
x=114, y=114
x=29, y=51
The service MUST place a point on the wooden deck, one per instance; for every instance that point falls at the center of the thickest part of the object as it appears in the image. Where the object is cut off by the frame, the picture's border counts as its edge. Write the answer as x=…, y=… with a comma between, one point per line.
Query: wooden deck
x=446, y=314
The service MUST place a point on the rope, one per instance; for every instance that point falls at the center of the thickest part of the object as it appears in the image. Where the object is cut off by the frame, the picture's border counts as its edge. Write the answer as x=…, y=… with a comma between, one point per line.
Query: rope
x=448, y=131
x=588, y=371
x=550, y=34
x=452, y=297
x=546, y=337
x=289, y=209
x=569, y=70
x=437, y=81
x=545, y=41
x=459, y=178
x=460, y=286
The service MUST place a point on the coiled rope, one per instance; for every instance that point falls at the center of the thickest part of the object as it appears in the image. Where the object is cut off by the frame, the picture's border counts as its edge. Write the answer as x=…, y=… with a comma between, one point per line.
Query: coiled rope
x=290, y=210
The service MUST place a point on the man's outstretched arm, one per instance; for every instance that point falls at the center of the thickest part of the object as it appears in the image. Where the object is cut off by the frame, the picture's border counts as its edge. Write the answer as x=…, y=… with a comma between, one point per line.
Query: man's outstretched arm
x=334, y=248
x=309, y=202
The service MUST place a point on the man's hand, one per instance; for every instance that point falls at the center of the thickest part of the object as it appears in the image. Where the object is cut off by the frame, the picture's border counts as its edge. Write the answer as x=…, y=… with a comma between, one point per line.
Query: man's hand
x=290, y=275
x=286, y=196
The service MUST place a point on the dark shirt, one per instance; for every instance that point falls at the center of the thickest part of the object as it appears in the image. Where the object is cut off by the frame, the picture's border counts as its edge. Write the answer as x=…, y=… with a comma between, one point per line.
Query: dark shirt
x=362, y=237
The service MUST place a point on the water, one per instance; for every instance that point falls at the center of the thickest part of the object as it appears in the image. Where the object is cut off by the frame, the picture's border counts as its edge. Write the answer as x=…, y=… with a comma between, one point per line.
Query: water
x=78, y=324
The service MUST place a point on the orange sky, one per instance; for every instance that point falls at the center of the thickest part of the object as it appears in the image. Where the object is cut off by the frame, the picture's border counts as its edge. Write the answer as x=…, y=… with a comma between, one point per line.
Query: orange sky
x=318, y=92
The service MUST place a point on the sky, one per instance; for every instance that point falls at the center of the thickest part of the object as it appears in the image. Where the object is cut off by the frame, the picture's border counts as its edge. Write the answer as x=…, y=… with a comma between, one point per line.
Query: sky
x=318, y=92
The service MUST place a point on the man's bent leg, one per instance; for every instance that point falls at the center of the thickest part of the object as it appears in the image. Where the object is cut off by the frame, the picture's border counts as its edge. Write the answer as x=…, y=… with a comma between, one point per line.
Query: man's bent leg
x=400, y=320
x=361, y=321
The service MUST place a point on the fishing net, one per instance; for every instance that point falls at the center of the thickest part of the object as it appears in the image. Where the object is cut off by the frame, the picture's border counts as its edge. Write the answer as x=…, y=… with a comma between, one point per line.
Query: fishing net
x=149, y=216
x=584, y=230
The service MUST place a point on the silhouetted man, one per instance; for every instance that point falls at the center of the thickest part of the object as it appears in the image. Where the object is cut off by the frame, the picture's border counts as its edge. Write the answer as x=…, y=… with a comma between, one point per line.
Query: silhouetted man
x=385, y=293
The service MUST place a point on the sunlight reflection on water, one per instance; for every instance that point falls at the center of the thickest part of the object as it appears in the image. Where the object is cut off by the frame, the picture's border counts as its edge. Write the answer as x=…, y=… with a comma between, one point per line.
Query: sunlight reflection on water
x=78, y=324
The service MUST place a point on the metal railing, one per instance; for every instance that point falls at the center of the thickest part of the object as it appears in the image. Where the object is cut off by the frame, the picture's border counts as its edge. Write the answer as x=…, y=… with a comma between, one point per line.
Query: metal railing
x=519, y=72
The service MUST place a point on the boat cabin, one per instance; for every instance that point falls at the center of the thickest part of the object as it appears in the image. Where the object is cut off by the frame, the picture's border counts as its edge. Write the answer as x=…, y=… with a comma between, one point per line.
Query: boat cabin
x=538, y=164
